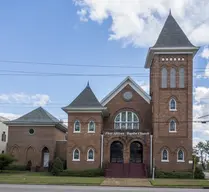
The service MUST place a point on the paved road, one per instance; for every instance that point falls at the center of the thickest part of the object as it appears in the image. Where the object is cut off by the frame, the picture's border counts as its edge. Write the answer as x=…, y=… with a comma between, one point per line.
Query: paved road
x=44, y=188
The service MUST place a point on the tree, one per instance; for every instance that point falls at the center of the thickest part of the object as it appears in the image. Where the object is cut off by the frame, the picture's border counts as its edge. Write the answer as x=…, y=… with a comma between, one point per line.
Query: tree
x=6, y=160
x=57, y=166
x=201, y=149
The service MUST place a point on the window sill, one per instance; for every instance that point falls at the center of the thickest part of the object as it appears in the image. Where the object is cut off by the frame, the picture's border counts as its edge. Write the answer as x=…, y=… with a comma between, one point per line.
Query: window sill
x=172, y=131
x=91, y=131
x=76, y=159
x=180, y=161
x=172, y=110
x=165, y=161
x=90, y=160
x=76, y=132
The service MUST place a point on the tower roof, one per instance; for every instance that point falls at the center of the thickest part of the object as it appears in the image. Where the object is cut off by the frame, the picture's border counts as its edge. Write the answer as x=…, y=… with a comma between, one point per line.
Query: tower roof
x=85, y=100
x=172, y=35
x=172, y=40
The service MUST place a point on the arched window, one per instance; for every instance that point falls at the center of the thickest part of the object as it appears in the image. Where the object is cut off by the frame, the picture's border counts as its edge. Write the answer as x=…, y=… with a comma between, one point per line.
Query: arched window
x=90, y=155
x=164, y=78
x=172, y=126
x=173, y=78
x=180, y=155
x=76, y=155
x=126, y=120
x=164, y=155
x=172, y=105
x=77, y=126
x=181, y=77
x=91, y=127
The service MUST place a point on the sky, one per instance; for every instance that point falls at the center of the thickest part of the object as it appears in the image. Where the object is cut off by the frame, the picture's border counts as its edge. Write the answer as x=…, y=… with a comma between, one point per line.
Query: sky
x=85, y=37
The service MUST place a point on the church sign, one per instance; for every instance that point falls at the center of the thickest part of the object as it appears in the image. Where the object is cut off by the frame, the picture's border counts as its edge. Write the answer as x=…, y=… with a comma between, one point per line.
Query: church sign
x=126, y=133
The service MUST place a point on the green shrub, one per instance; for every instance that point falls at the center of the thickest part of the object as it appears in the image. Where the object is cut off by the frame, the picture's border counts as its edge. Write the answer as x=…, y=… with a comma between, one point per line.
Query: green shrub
x=14, y=167
x=57, y=166
x=5, y=161
x=83, y=173
x=177, y=175
x=198, y=174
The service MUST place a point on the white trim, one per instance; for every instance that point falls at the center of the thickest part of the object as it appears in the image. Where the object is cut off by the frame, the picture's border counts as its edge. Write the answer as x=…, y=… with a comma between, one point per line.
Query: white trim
x=26, y=125
x=74, y=131
x=78, y=153
x=88, y=155
x=162, y=160
x=170, y=126
x=174, y=48
x=84, y=111
x=180, y=161
x=94, y=127
x=127, y=81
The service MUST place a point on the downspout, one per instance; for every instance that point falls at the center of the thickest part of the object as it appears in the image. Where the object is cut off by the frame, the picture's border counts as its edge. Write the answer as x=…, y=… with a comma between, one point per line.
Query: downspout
x=151, y=154
x=102, y=144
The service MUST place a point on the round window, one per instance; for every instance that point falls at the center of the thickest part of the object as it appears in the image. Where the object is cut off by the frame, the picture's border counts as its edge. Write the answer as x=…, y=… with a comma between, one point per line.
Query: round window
x=31, y=131
x=127, y=96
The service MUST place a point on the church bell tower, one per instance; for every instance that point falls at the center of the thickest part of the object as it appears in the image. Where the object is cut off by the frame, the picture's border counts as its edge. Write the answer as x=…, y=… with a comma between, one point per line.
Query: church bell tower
x=171, y=72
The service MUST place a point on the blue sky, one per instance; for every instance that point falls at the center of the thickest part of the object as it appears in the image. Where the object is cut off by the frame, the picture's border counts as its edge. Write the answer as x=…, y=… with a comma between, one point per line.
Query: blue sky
x=82, y=33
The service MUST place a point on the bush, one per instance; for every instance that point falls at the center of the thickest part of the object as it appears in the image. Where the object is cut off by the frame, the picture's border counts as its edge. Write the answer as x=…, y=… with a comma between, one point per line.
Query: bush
x=57, y=166
x=5, y=161
x=83, y=173
x=177, y=175
x=16, y=167
x=198, y=174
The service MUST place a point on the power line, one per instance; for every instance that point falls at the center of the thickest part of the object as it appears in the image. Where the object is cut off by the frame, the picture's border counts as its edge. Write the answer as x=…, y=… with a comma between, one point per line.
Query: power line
x=74, y=65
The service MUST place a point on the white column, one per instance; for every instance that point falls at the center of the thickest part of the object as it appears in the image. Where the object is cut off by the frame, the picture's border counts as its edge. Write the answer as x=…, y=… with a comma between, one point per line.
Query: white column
x=151, y=154
x=102, y=144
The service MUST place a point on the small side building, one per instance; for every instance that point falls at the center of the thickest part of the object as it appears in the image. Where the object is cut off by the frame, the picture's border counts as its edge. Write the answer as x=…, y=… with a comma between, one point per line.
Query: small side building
x=34, y=136
x=4, y=134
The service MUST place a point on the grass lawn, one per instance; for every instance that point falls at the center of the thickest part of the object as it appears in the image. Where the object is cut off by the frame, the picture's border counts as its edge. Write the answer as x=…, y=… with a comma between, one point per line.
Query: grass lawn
x=179, y=183
x=45, y=178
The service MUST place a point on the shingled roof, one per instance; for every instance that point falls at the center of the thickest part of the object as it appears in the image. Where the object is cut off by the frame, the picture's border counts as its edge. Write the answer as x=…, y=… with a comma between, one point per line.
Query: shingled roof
x=38, y=116
x=172, y=35
x=171, y=39
x=85, y=100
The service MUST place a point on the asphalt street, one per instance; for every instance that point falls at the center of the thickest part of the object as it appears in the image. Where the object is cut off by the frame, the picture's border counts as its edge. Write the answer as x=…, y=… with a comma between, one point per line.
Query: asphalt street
x=45, y=188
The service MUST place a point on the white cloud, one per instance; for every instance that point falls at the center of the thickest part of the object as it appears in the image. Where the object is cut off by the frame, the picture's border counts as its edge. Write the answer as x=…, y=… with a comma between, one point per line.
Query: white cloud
x=200, y=108
x=22, y=98
x=139, y=22
x=10, y=116
x=144, y=85
x=205, y=55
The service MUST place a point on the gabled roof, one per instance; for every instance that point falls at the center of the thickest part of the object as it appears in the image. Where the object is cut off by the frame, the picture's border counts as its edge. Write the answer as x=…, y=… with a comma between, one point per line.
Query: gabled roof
x=172, y=40
x=172, y=35
x=86, y=100
x=38, y=116
x=127, y=81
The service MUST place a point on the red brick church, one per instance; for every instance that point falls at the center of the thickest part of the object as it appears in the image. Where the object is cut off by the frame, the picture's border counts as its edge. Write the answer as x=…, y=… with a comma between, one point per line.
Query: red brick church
x=129, y=131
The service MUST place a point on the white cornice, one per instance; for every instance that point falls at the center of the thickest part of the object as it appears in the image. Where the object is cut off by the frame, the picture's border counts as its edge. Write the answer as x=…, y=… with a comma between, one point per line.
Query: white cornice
x=168, y=50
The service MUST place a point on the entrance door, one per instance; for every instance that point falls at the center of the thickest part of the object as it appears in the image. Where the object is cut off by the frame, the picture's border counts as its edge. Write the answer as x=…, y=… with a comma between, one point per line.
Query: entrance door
x=136, y=152
x=116, y=152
